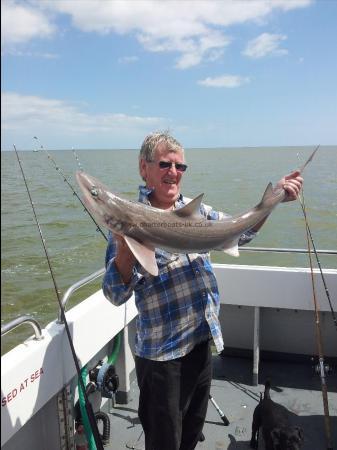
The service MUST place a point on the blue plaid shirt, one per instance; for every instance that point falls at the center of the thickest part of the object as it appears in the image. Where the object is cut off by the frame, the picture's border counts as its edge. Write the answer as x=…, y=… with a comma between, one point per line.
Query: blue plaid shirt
x=176, y=309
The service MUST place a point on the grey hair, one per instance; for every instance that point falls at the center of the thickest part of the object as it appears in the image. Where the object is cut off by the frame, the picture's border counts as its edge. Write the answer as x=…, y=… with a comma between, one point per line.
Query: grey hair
x=151, y=142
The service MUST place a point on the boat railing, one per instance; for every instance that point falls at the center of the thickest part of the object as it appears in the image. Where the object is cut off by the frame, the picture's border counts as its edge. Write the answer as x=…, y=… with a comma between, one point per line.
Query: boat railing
x=21, y=320
x=100, y=272
x=285, y=250
x=84, y=281
x=75, y=287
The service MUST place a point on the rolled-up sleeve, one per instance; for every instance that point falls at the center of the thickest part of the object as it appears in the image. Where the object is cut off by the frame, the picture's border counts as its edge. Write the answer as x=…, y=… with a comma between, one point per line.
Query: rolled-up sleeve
x=247, y=237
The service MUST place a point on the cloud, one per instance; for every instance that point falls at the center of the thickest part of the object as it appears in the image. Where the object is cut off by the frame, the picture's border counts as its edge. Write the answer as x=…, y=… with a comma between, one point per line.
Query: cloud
x=24, y=112
x=265, y=44
x=21, y=23
x=225, y=81
x=196, y=30
x=193, y=48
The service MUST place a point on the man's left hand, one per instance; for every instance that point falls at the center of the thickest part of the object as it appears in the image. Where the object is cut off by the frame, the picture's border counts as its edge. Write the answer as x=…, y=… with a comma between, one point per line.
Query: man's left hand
x=292, y=184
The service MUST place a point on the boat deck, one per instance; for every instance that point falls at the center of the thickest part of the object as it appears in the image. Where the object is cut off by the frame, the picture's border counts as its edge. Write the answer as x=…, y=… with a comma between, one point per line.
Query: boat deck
x=297, y=386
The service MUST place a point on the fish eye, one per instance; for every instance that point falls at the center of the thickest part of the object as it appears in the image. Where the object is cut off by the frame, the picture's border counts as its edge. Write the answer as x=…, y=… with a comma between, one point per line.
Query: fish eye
x=94, y=191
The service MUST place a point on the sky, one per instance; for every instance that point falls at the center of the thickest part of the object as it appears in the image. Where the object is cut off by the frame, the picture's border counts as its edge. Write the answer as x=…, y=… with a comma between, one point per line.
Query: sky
x=102, y=74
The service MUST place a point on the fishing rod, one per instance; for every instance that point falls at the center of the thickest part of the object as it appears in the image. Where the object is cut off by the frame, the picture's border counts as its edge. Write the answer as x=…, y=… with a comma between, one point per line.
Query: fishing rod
x=318, y=338
x=317, y=259
x=65, y=179
x=314, y=250
x=221, y=414
x=88, y=406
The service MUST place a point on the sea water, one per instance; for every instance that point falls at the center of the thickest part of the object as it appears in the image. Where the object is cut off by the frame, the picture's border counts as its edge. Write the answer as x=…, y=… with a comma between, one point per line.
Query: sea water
x=232, y=180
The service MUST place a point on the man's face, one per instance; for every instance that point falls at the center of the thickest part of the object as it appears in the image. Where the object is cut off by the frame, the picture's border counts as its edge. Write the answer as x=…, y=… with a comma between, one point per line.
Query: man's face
x=165, y=182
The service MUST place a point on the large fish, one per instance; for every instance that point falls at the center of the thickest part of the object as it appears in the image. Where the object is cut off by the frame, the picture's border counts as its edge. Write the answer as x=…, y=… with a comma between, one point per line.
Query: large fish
x=184, y=230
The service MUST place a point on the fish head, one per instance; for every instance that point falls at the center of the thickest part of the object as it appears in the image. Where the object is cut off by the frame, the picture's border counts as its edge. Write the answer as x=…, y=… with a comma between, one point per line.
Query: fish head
x=101, y=202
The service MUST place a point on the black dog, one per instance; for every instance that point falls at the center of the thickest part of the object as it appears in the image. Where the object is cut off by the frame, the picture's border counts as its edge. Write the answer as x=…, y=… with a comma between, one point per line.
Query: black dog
x=273, y=418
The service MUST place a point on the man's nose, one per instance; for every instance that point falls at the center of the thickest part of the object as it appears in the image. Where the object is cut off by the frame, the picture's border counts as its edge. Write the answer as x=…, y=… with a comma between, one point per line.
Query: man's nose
x=173, y=169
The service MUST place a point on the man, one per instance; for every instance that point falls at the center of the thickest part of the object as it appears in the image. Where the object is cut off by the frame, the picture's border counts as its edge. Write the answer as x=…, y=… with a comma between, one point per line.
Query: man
x=177, y=310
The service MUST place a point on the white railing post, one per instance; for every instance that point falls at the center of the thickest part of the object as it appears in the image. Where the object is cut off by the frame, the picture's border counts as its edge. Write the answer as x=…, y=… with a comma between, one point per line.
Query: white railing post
x=256, y=343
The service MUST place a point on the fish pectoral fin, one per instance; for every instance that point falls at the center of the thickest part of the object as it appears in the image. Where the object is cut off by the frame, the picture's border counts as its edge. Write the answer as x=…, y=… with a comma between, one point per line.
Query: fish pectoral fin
x=144, y=255
x=191, y=209
x=232, y=249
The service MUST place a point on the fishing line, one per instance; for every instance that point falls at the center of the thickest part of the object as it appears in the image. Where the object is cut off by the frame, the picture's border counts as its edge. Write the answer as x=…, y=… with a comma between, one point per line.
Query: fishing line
x=319, y=341
x=98, y=228
x=88, y=406
x=77, y=159
x=221, y=413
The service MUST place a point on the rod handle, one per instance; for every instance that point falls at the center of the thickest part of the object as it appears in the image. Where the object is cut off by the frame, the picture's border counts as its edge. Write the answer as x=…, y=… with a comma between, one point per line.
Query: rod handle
x=225, y=420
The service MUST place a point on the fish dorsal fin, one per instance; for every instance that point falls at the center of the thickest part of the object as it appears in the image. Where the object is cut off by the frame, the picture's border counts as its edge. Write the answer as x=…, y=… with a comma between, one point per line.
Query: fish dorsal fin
x=144, y=255
x=192, y=209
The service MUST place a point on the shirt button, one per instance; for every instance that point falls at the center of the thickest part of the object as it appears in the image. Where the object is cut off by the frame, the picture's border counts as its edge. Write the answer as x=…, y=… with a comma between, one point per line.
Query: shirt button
x=204, y=294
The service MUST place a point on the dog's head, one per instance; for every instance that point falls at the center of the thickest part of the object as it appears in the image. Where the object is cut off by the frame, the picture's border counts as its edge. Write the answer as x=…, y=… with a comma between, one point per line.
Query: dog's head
x=290, y=438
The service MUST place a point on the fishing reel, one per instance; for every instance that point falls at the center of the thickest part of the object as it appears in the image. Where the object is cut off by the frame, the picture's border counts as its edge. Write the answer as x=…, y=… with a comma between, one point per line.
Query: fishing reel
x=326, y=367
x=318, y=367
x=106, y=379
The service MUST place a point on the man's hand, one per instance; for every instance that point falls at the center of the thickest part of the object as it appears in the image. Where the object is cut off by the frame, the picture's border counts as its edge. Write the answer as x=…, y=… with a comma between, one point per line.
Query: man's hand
x=124, y=259
x=292, y=184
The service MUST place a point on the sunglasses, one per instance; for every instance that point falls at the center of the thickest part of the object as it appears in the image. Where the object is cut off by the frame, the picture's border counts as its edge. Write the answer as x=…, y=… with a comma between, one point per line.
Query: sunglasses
x=180, y=167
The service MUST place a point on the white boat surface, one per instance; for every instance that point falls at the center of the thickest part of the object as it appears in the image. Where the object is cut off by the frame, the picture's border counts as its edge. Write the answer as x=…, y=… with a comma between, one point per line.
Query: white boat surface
x=268, y=321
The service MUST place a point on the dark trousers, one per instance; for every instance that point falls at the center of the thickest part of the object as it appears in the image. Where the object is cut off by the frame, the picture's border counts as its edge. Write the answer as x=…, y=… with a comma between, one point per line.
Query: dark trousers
x=174, y=398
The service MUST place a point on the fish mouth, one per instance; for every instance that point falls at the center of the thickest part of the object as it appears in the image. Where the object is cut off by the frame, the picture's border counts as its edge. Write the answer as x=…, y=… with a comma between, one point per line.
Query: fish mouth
x=93, y=193
x=89, y=192
x=85, y=181
x=90, y=186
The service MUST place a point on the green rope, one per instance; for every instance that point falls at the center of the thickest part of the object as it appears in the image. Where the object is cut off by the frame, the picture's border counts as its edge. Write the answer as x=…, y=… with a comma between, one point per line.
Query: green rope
x=117, y=346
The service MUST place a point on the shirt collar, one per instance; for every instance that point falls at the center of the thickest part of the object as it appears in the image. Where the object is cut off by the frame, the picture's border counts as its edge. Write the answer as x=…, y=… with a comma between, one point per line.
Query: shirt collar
x=144, y=193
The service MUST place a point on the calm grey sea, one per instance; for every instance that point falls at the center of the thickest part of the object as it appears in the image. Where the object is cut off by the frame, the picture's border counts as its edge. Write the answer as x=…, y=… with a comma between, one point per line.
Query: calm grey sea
x=232, y=180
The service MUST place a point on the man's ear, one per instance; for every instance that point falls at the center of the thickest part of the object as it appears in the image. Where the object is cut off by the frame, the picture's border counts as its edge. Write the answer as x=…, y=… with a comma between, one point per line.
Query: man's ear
x=275, y=436
x=142, y=168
